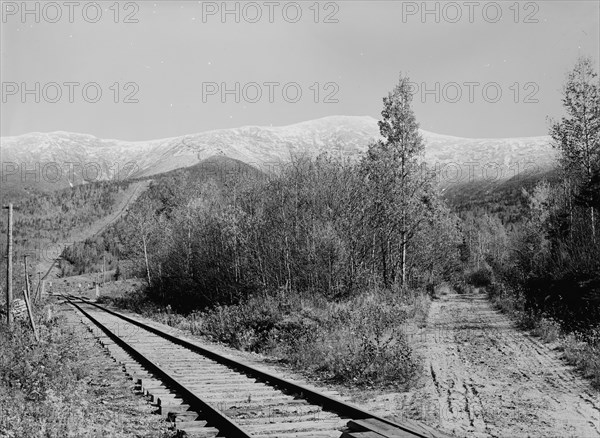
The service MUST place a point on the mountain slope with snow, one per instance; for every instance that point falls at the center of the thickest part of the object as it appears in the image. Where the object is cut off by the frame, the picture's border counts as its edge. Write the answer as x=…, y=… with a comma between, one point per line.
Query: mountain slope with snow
x=57, y=159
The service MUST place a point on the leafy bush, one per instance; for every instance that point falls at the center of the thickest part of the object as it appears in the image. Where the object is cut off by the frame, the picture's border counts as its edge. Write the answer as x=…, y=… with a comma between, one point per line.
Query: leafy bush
x=462, y=287
x=505, y=299
x=358, y=341
x=481, y=278
x=41, y=393
x=367, y=348
x=582, y=350
x=548, y=329
x=247, y=326
x=36, y=368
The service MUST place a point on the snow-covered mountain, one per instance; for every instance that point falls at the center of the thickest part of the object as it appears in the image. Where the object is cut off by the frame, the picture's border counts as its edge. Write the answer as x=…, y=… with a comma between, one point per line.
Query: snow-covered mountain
x=57, y=159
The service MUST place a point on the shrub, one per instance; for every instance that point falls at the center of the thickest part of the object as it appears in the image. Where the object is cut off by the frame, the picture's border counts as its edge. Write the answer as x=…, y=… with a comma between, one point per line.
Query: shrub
x=505, y=299
x=548, y=329
x=246, y=326
x=36, y=368
x=368, y=349
x=481, y=278
x=582, y=350
x=358, y=341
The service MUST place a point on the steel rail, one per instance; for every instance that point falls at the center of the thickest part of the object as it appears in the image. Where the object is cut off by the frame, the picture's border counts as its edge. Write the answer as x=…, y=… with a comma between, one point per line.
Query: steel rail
x=220, y=420
x=346, y=409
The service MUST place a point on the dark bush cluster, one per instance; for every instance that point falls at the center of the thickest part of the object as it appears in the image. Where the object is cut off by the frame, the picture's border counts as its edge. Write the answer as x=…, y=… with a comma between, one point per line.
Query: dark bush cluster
x=481, y=278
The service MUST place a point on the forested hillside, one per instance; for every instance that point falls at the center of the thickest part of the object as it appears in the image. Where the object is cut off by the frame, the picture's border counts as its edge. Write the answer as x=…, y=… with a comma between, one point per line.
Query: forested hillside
x=43, y=221
x=504, y=199
x=107, y=248
x=537, y=244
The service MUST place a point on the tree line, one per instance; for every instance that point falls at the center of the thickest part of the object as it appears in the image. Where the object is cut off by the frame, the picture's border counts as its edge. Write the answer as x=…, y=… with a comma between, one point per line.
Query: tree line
x=323, y=225
x=333, y=227
x=551, y=261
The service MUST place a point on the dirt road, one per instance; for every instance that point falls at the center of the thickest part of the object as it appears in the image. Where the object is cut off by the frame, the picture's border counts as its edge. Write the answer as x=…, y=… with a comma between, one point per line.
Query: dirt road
x=488, y=378
x=485, y=378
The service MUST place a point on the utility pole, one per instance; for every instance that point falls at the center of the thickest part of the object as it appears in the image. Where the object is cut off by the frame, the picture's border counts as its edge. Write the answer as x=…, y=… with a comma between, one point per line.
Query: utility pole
x=9, y=266
x=103, y=269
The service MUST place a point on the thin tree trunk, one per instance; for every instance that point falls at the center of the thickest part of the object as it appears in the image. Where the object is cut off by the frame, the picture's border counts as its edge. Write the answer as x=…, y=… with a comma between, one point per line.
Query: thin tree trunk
x=384, y=264
x=160, y=277
x=403, y=261
x=287, y=262
x=593, y=224
x=403, y=233
x=570, y=199
x=146, y=259
x=189, y=250
x=373, y=269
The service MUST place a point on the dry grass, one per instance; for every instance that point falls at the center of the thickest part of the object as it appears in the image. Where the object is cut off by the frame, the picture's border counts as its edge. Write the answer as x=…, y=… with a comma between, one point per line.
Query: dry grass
x=360, y=341
x=59, y=387
x=583, y=351
x=547, y=329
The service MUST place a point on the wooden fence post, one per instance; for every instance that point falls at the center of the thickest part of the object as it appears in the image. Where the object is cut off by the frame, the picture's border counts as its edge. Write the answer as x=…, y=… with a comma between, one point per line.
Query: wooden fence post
x=28, y=302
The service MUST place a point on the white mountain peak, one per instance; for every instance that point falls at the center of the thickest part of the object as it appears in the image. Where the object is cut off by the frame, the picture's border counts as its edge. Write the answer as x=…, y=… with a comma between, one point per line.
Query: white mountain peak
x=263, y=146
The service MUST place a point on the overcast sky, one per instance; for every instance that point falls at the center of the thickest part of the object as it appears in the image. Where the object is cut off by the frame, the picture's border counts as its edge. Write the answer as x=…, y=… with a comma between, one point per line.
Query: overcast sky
x=173, y=63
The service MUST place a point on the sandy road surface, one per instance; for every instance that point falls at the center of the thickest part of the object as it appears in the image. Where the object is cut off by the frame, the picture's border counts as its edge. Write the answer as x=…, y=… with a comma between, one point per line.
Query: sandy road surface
x=483, y=377
x=487, y=378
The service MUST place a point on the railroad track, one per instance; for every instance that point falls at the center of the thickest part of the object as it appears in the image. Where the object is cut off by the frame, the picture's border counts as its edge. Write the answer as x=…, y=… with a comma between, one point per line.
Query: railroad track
x=206, y=394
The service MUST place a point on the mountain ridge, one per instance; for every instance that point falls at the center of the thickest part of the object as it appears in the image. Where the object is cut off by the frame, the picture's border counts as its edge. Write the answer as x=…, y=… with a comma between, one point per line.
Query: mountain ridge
x=264, y=147
x=334, y=117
